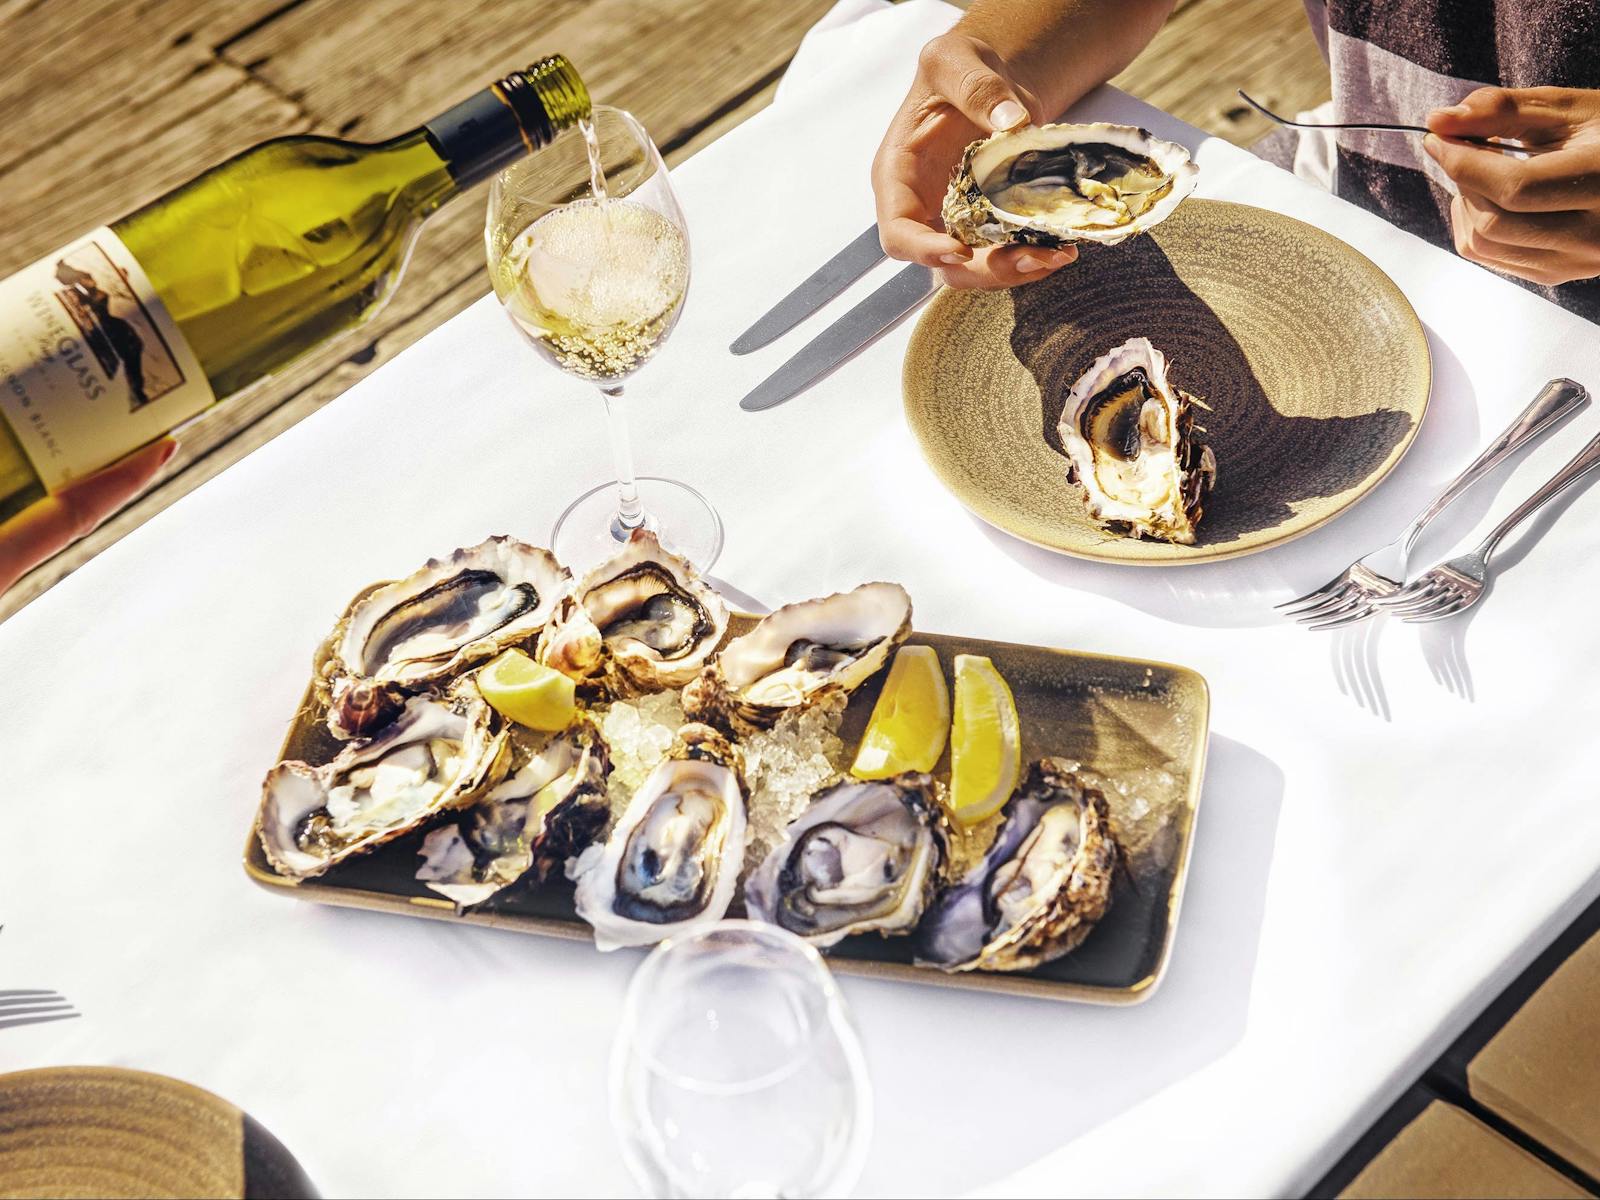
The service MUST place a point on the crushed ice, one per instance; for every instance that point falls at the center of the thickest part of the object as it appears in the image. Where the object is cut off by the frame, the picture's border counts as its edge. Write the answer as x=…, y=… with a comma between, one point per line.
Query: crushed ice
x=1145, y=804
x=639, y=733
x=788, y=764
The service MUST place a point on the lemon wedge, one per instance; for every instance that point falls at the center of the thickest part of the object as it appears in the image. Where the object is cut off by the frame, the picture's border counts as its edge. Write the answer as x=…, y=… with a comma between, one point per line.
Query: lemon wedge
x=911, y=721
x=527, y=692
x=985, y=741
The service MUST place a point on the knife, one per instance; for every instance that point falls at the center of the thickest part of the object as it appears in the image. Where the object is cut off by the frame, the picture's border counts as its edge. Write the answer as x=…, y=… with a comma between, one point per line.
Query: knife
x=858, y=327
x=826, y=282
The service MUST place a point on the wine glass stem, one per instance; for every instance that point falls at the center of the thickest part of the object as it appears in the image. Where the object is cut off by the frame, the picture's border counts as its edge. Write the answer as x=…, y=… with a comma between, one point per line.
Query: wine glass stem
x=630, y=513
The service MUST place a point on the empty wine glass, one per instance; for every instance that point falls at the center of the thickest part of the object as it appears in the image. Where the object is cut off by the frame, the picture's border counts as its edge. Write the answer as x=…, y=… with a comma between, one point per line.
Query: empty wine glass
x=736, y=1071
x=589, y=255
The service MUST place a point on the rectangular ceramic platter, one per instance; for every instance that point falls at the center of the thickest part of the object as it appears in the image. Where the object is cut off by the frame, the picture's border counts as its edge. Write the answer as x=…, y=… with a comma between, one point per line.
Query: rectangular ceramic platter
x=1127, y=719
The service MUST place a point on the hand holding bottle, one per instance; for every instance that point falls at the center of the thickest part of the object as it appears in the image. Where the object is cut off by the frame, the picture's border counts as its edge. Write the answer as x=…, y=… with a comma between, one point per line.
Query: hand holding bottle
x=50, y=525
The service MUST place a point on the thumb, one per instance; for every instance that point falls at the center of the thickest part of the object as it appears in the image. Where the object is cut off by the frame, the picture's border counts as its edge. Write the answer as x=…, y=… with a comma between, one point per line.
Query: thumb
x=1523, y=113
x=971, y=76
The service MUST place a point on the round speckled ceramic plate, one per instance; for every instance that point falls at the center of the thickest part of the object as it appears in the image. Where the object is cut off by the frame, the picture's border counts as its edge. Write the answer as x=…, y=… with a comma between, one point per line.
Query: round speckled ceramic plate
x=1315, y=367
x=108, y=1131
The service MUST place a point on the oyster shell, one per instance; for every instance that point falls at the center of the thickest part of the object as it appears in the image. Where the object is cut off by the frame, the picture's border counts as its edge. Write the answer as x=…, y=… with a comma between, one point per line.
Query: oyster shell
x=1134, y=447
x=798, y=651
x=672, y=862
x=1050, y=185
x=1041, y=887
x=551, y=806
x=863, y=856
x=415, y=632
x=643, y=621
x=434, y=756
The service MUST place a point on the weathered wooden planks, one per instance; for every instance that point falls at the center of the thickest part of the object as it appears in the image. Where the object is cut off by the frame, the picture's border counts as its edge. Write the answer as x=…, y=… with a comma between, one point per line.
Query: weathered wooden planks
x=1210, y=48
x=94, y=173
x=1541, y=1072
x=88, y=71
x=116, y=102
x=1447, y=1152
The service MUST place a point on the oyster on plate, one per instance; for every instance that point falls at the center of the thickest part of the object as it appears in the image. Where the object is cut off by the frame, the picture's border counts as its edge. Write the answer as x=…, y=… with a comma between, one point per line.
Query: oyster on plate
x=796, y=653
x=434, y=756
x=549, y=807
x=416, y=632
x=672, y=862
x=1050, y=185
x=1041, y=887
x=1133, y=446
x=863, y=856
x=643, y=621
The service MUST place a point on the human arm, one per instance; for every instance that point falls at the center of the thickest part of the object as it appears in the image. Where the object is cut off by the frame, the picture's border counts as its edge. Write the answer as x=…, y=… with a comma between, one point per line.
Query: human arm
x=1004, y=63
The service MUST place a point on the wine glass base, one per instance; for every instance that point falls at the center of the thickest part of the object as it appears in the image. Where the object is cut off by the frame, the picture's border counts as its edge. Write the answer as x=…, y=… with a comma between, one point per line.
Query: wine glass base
x=588, y=532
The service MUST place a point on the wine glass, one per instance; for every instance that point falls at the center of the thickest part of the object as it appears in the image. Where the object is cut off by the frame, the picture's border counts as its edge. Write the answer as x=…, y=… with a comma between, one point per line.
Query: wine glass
x=589, y=255
x=736, y=1071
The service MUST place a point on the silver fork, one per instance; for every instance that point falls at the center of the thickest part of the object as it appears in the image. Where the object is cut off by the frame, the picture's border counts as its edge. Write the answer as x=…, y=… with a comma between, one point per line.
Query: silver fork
x=1450, y=587
x=1489, y=143
x=33, y=1006
x=1352, y=595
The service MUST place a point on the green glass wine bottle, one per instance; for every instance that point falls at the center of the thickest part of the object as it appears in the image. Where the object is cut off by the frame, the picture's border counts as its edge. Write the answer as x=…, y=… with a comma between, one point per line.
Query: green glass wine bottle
x=138, y=326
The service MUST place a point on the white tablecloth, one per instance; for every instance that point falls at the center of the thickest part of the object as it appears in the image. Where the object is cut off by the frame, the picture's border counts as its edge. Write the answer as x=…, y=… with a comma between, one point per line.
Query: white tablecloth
x=1377, y=853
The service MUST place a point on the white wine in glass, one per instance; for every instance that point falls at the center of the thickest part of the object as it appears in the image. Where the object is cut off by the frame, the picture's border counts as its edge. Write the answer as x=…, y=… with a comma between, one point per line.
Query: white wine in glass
x=596, y=285
x=589, y=254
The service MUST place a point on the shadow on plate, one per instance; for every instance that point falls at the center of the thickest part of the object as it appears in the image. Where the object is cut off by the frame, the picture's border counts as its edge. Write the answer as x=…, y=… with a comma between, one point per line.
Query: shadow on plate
x=1130, y=1054
x=1240, y=592
x=1268, y=463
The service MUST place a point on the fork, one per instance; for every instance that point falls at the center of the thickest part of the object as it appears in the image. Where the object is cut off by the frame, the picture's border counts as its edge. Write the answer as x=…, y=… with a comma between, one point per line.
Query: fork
x=33, y=1006
x=1488, y=143
x=1351, y=595
x=1456, y=585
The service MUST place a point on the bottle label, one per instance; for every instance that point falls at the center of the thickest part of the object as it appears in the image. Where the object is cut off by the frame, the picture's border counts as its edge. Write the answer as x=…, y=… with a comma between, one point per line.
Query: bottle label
x=92, y=364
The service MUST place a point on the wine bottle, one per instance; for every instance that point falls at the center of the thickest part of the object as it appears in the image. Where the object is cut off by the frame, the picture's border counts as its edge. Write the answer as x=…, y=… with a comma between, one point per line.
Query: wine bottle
x=137, y=326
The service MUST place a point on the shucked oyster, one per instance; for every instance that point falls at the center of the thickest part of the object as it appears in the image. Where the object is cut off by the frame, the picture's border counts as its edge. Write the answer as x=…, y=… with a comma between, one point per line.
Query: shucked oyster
x=1133, y=446
x=641, y=622
x=454, y=612
x=435, y=755
x=672, y=862
x=1040, y=889
x=548, y=808
x=795, y=653
x=863, y=856
x=1048, y=185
